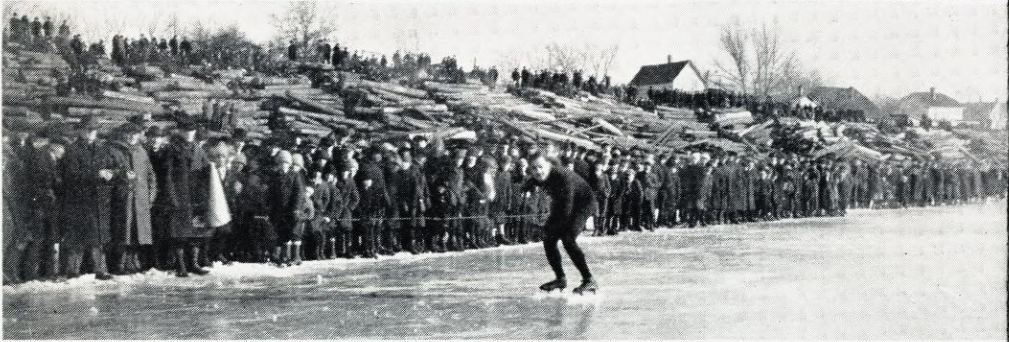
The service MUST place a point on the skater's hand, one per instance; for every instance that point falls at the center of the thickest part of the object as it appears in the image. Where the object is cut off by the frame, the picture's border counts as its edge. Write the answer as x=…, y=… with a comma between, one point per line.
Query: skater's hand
x=131, y=175
x=238, y=187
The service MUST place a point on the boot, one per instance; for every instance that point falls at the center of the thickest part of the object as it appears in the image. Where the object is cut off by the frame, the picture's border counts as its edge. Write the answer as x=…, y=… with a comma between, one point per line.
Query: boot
x=180, y=263
x=288, y=256
x=122, y=262
x=101, y=268
x=194, y=263
x=296, y=251
x=54, y=265
x=278, y=258
x=588, y=285
x=331, y=249
x=74, y=260
x=12, y=265
x=134, y=261
x=556, y=284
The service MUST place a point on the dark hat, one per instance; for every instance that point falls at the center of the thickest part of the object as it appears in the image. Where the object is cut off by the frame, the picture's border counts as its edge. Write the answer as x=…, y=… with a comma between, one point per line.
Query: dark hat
x=202, y=133
x=52, y=131
x=87, y=124
x=321, y=154
x=155, y=131
x=186, y=123
x=131, y=128
x=326, y=142
x=240, y=134
x=372, y=173
x=140, y=119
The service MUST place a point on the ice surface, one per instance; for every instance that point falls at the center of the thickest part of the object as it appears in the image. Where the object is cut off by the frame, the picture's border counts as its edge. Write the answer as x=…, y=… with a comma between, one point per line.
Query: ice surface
x=916, y=273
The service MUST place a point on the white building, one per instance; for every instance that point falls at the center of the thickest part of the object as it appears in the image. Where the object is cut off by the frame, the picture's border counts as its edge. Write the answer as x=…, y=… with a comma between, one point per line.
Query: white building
x=937, y=106
x=680, y=75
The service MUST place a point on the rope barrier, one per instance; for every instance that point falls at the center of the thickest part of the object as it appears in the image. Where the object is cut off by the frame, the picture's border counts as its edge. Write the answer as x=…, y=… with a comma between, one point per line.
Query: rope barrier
x=438, y=218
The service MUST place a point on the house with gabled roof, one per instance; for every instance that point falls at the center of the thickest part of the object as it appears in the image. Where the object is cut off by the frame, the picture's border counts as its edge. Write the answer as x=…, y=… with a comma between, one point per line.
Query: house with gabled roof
x=844, y=98
x=682, y=75
x=938, y=107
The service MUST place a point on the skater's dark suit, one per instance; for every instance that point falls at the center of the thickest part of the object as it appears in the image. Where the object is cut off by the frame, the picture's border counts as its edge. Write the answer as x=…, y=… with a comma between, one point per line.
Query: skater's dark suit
x=572, y=204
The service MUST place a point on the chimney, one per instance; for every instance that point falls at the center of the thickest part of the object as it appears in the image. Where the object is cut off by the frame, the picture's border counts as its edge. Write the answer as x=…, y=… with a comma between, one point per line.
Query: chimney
x=800, y=91
x=851, y=93
x=669, y=58
x=931, y=93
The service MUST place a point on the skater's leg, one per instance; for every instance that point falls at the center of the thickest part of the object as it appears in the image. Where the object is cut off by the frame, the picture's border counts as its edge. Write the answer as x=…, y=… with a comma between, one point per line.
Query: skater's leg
x=577, y=256
x=553, y=255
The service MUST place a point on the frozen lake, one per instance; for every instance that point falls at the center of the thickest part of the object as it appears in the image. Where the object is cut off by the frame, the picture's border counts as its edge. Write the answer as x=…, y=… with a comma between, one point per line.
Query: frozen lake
x=894, y=274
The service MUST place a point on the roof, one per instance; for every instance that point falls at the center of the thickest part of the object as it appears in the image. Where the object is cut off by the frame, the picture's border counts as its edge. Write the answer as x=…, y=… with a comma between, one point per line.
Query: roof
x=925, y=99
x=659, y=73
x=839, y=98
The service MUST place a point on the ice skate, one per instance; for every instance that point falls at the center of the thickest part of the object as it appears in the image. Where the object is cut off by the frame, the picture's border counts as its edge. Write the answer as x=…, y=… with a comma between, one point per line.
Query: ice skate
x=557, y=284
x=587, y=286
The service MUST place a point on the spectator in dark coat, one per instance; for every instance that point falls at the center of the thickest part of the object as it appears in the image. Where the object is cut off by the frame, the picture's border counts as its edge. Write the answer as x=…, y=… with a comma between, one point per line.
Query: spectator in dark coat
x=14, y=181
x=286, y=188
x=670, y=193
x=600, y=183
x=372, y=206
x=697, y=185
x=175, y=200
x=343, y=203
x=292, y=51
x=45, y=188
x=651, y=182
x=413, y=199
x=38, y=189
x=88, y=171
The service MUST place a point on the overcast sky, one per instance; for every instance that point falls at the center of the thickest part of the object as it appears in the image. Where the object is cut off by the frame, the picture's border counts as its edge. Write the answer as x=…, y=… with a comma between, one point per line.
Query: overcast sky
x=879, y=47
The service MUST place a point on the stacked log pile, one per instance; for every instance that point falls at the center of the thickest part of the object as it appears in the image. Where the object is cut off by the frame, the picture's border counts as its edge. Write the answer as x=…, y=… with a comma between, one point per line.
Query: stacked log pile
x=263, y=104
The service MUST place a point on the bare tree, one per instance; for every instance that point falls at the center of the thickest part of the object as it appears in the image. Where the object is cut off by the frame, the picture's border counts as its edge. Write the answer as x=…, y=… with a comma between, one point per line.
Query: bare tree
x=759, y=62
x=772, y=62
x=589, y=58
x=172, y=24
x=600, y=60
x=304, y=23
x=565, y=58
x=734, y=41
x=154, y=26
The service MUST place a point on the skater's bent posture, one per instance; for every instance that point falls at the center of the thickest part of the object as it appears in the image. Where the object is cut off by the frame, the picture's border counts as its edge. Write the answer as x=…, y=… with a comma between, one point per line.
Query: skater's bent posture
x=572, y=204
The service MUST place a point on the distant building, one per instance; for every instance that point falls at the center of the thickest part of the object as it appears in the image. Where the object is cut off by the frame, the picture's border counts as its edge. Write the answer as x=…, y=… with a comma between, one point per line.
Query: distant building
x=841, y=99
x=797, y=99
x=937, y=106
x=991, y=115
x=680, y=75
